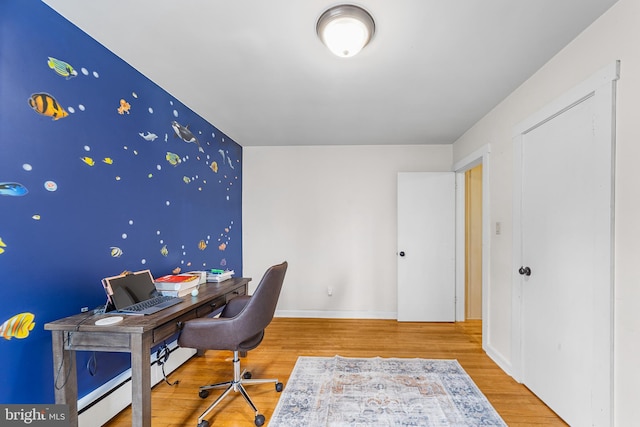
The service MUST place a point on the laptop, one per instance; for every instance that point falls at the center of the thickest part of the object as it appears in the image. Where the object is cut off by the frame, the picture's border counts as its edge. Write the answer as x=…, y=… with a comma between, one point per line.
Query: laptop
x=135, y=293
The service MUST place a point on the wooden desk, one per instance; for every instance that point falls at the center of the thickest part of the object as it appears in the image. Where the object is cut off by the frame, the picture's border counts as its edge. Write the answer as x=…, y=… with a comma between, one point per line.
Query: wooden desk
x=135, y=335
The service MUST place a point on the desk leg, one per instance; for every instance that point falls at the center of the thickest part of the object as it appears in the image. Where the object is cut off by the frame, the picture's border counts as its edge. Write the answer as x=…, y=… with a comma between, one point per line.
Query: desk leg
x=141, y=380
x=65, y=376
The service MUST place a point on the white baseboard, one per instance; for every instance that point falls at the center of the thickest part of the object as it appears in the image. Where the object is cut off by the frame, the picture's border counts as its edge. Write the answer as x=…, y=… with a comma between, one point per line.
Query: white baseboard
x=499, y=359
x=320, y=314
x=107, y=401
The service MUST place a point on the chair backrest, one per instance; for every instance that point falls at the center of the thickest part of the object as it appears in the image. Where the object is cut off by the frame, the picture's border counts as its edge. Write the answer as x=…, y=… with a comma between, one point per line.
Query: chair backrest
x=259, y=311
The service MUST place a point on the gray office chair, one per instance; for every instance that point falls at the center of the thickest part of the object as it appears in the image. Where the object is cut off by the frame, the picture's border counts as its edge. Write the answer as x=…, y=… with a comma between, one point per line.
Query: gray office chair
x=239, y=328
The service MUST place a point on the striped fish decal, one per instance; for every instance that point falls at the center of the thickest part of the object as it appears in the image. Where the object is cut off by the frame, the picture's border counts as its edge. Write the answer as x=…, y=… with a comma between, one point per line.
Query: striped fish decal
x=62, y=68
x=45, y=104
x=18, y=326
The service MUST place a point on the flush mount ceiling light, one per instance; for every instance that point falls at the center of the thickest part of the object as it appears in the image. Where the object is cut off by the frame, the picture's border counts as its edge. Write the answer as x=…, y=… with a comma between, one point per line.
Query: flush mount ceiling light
x=345, y=29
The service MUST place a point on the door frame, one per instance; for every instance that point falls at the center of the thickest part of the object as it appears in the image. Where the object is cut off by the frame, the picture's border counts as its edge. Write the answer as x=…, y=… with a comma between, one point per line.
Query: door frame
x=601, y=85
x=480, y=156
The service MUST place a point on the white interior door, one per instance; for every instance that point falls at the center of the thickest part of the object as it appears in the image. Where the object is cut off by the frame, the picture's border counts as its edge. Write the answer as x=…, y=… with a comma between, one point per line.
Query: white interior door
x=426, y=246
x=565, y=260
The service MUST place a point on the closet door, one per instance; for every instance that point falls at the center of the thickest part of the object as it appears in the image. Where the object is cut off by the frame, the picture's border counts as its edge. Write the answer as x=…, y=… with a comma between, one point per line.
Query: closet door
x=426, y=246
x=564, y=224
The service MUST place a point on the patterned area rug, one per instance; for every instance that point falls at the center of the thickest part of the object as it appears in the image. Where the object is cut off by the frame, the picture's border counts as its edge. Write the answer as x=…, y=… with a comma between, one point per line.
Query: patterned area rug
x=338, y=391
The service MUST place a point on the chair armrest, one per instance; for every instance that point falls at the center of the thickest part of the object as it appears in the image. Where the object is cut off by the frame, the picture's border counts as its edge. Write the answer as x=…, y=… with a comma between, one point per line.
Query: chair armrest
x=235, y=306
x=214, y=333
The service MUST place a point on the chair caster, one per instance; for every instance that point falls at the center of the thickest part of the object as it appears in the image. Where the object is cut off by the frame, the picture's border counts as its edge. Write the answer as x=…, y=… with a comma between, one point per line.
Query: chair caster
x=247, y=375
x=259, y=419
x=203, y=394
x=279, y=387
x=203, y=423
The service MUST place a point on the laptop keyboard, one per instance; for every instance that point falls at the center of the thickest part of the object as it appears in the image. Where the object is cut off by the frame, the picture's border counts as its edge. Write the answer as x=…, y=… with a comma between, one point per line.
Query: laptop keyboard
x=149, y=303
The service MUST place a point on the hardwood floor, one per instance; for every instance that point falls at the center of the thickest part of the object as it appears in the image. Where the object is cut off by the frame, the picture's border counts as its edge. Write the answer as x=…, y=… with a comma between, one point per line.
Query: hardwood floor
x=288, y=338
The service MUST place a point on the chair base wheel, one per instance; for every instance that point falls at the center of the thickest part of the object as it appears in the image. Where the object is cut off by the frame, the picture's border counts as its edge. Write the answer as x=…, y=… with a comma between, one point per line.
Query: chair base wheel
x=279, y=387
x=203, y=423
x=203, y=394
x=260, y=420
x=247, y=375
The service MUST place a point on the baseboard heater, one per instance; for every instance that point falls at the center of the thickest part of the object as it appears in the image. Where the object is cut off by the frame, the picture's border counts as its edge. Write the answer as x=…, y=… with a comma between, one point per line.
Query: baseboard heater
x=105, y=402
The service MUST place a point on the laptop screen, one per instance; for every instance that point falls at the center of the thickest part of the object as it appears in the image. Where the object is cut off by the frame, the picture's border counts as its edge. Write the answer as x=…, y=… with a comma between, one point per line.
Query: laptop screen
x=127, y=289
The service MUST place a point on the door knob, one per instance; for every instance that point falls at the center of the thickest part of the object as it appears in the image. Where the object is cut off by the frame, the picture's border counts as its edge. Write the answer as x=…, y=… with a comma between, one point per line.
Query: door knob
x=401, y=253
x=525, y=271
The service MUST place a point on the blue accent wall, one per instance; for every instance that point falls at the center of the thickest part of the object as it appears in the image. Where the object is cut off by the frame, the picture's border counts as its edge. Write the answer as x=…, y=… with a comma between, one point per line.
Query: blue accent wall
x=101, y=171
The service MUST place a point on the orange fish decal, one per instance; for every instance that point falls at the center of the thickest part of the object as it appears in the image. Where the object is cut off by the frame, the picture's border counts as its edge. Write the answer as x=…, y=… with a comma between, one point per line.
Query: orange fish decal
x=124, y=107
x=45, y=104
x=202, y=245
x=18, y=326
x=222, y=246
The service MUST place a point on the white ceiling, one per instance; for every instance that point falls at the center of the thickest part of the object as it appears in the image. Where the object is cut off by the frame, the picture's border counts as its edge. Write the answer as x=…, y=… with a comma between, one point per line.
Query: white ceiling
x=256, y=70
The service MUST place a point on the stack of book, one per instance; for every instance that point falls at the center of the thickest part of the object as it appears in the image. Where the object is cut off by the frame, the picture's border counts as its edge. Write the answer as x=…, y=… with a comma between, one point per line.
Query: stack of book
x=177, y=285
x=215, y=275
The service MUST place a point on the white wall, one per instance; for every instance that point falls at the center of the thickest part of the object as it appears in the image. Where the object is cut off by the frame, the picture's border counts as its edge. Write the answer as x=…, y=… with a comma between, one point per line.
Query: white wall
x=331, y=212
x=616, y=35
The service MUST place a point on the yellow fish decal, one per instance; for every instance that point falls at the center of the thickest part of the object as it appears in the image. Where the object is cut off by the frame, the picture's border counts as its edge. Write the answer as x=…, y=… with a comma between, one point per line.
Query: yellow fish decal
x=108, y=160
x=186, y=179
x=173, y=158
x=124, y=107
x=202, y=245
x=214, y=166
x=18, y=326
x=116, y=252
x=164, y=251
x=88, y=160
x=45, y=104
x=2, y=246
x=62, y=68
